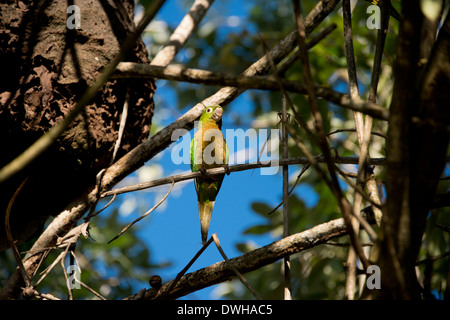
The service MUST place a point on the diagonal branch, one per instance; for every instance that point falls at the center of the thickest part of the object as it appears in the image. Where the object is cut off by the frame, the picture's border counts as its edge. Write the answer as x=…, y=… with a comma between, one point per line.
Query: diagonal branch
x=144, y=215
x=182, y=33
x=162, y=139
x=253, y=260
x=232, y=267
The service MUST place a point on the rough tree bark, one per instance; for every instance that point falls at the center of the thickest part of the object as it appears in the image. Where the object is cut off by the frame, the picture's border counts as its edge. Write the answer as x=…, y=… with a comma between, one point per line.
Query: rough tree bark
x=45, y=67
x=418, y=139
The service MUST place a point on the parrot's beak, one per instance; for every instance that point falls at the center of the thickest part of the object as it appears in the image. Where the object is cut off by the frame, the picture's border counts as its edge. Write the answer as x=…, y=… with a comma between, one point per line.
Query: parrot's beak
x=217, y=114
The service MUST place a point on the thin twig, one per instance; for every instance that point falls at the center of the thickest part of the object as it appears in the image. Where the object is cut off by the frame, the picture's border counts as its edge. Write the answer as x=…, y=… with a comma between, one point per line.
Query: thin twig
x=354, y=130
x=289, y=61
x=96, y=194
x=285, y=155
x=233, y=268
x=263, y=147
x=10, y=238
x=106, y=205
x=161, y=294
x=144, y=215
x=47, y=270
x=98, y=295
x=312, y=160
x=305, y=167
x=357, y=188
x=433, y=258
x=69, y=287
x=44, y=256
x=123, y=121
x=284, y=143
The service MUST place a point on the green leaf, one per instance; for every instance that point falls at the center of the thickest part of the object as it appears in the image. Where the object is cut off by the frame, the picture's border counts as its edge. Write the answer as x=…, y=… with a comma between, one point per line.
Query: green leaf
x=258, y=229
x=261, y=208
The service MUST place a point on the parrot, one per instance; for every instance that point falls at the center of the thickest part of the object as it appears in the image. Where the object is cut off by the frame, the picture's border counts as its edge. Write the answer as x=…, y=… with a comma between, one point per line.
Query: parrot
x=208, y=150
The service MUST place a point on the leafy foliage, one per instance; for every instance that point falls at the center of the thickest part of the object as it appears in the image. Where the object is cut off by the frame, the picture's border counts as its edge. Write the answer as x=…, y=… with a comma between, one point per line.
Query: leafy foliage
x=319, y=272
x=111, y=270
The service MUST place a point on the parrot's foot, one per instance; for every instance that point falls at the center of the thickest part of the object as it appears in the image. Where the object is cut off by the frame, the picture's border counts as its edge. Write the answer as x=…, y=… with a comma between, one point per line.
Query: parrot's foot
x=206, y=174
x=227, y=169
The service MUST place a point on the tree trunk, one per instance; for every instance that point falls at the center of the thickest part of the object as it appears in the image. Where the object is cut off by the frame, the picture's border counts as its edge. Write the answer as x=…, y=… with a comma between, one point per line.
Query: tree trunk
x=46, y=66
x=417, y=142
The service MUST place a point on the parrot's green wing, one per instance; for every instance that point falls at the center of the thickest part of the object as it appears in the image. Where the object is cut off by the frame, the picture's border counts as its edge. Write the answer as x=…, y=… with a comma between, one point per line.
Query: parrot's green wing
x=194, y=167
x=227, y=155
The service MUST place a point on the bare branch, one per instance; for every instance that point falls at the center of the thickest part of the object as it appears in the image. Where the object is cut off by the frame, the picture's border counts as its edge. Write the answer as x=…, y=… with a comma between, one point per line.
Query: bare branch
x=181, y=73
x=236, y=271
x=363, y=129
x=351, y=270
x=123, y=121
x=144, y=215
x=234, y=168
x=253, y=260
x=166, y=289
x=284, y=143
x=182, y=33
x=286, y=260
x=10, y=238
x=305, y=167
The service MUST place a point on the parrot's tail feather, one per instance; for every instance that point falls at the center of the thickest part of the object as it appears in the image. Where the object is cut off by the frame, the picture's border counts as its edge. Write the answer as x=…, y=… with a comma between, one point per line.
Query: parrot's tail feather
x=205, y=211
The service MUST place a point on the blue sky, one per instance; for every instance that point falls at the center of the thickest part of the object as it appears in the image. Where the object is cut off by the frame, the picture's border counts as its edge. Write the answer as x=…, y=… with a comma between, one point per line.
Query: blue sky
x=172, y=232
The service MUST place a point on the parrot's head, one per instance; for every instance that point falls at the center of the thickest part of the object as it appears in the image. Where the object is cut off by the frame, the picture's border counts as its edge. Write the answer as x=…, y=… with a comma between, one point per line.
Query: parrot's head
x=212, y=114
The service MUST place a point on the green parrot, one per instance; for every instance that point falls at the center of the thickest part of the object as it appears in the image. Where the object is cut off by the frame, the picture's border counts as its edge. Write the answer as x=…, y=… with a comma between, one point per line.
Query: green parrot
x=208, y=150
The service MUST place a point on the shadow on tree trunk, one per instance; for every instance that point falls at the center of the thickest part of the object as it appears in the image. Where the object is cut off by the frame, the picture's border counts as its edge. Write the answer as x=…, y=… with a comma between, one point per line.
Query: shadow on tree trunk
x=46, y=68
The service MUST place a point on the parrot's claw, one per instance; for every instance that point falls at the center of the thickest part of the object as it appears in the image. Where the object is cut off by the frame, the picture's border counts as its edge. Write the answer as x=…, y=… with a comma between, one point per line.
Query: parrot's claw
x=227, y=169
x=206, y=174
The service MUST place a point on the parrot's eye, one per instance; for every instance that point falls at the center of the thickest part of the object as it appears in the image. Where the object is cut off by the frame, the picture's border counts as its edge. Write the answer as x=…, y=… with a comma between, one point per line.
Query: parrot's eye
x=209, y=110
